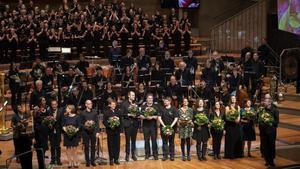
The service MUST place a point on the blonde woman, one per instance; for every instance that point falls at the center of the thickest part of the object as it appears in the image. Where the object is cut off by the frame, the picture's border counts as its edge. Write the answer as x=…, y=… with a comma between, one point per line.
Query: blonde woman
x=71, y=141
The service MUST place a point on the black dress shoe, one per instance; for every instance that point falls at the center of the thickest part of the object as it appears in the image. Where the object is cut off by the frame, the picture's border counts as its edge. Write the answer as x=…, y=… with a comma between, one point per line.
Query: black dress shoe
x=156, y=157
x=87, y=165
x=59, y=162
x=134, y=158
x=188, y=158
x=93, y=164
x=215, y=157
x=111, y=163
x=164, y=158
x=117, y=162
x=126, y=158
x=204, y=158
x=172, y=159
x=183, y=158
x=219, y=157
x=147, y=157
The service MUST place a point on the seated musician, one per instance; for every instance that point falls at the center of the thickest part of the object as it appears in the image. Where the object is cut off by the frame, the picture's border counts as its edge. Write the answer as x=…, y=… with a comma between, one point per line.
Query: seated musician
x=127, y=80
x=191, y=63
x=173, y=90
x=207, y=93
x=160, y=51
x=62, y=65
x=184, y=77
x=143, y=63
x=38, y=69
x=168, y=65
x=141, y=94
x=99, y=81
x=48, y=80
x=114, y=54
x=82, y=64
x=157, y=82
x=127, y=60
x=209, y=74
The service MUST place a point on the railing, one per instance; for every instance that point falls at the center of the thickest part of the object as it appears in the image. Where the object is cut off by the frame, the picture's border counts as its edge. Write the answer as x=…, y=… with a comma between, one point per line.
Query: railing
x=247, y=26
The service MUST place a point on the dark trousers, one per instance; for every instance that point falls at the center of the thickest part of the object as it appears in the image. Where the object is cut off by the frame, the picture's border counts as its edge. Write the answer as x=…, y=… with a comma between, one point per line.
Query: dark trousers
x=23, y=145
x=216, y=141
x=268, y=139
x=55, y=149
x=113, y=142
x=89, y=141
x=187, y=142
x=168, y=145
x=150, y=132
x=16, y=96
x=130, y=135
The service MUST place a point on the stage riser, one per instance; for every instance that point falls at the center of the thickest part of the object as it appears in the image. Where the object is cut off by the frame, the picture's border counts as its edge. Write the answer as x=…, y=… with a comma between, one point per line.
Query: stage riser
x=292, y=98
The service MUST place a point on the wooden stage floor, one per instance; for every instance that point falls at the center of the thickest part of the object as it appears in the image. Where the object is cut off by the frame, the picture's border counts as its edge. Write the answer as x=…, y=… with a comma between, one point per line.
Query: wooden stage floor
x=286, y=138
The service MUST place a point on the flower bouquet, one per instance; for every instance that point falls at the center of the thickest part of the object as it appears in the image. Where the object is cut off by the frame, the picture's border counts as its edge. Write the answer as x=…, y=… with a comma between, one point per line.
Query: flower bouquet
x=249, y=114
x=70, y=130
x=167, y=130
x=149, y=111
x=133, y=109
x=114, y=122
x=90, y=125
x=201, y=119
x=232, y=115
x=218, y=124
x=265, y=117
x=49, y=121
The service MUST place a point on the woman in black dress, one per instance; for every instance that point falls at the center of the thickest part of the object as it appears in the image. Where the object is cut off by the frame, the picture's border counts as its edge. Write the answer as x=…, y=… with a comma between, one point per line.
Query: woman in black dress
x=71, y=143
x=113, y=133
x=124, y=35
x=248, y=129
x=40, y=131
x=233, y=140
x=216, y=134
x=135, y=34
x=176, y=38
x=32, y=44
x=52, y=38
x=13, y=43
x=105, y=41
x=147, y=37
x=166, y=36
x=201, y=133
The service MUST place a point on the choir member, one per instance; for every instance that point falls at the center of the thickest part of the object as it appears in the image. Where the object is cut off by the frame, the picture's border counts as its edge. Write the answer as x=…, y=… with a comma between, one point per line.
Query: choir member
x=88, y=37
x=217, y=134
x=268, y=133
x=233, y=140
x=143, y=63
x=150, y=127
x=168, y=117
x=185, y=125
x=113, y=132
x=22, y=141
x=130, y=125
x=147, y=33
x=135, y=35
x=176, y=38
x=124, y=35
x=186, y=37
x=90, y=130
x=55, y=132
x=166, y=36
x=32, y=44
x=247, y=124
x=41, y=131
x=13, y=41
x=201, y=132
x=71, y=141
x=43, y=40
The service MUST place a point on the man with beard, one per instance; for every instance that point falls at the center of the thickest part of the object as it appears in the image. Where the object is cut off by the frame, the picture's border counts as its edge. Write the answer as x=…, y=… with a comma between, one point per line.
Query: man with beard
x=150, y=127
x=55, y=132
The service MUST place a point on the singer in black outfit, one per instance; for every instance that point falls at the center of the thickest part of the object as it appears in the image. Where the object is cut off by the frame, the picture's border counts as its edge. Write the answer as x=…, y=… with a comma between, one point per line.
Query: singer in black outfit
x=113, y=134
x=89, y=135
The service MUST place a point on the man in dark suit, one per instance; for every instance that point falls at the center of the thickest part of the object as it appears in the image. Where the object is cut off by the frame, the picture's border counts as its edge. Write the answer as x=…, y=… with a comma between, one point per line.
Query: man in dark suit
x=55, y=132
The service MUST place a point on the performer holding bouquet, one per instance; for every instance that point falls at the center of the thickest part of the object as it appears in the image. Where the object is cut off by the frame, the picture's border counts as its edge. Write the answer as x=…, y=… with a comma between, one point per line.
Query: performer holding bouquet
x=248, y=116
x=185, y=122
x=168, y=118
x=112, y=123
x=201, y=132
x=217, y=129
x=90, y=128
x=268, y=119
x=71, y=126
x=233, y=140
x=130, y=113
x=54, y=121
x=149, y=116
x=22, y=141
